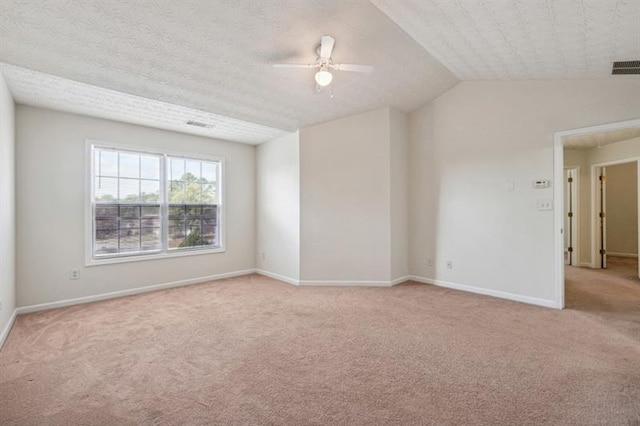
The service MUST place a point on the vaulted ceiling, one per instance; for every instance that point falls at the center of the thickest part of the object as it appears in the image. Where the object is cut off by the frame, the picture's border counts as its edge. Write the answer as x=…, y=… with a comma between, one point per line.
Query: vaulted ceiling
x=159, y=62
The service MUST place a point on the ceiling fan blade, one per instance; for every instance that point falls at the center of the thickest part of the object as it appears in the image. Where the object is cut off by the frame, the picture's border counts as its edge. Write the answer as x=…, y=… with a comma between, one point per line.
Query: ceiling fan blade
x=294, y=65
x=353, y=67
x=326, y=46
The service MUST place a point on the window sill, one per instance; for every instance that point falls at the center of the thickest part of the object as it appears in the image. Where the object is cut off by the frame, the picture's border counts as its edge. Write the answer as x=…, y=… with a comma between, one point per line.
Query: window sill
x=145, y=257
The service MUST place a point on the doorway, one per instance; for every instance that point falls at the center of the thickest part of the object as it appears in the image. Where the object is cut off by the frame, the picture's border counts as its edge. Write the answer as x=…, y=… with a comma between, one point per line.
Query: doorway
x=591, y=138
x=615, y=211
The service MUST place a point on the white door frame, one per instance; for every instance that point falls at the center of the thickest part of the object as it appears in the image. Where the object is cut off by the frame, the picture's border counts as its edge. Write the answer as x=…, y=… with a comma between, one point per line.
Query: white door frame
x=558, y=198
x=575, y=243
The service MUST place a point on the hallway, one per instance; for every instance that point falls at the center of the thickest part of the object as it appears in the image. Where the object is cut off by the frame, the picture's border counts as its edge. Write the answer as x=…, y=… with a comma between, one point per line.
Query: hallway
x=611, y=295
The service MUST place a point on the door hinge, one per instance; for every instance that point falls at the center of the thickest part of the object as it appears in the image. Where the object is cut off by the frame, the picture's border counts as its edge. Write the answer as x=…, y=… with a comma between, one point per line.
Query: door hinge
x=570, y=214
x=570, y=249
x=570, y=179
x=602, y=178
x=603, y=214
x=603, y=251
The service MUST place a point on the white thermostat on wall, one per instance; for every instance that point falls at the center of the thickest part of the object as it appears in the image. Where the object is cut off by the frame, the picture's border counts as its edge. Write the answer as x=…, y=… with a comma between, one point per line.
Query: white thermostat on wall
x=541, y=183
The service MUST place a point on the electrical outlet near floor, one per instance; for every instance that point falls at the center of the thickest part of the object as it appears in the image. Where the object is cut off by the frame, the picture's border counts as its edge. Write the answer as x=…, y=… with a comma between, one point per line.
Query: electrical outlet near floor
x=449, y=264
x=74, y=274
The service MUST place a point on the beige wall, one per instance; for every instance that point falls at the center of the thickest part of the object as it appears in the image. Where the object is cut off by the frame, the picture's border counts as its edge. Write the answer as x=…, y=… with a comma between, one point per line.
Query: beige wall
x=465, y=146
x=344, y=193
x=7, y=208
x=622, y=209
x=399, y=194
x=50, y=180
x=333, y=202
x=278, y=207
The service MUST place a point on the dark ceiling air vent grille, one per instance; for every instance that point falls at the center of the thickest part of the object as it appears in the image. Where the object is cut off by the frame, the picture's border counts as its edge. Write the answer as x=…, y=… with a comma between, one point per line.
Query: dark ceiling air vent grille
x=626, y=67
x=199, y=124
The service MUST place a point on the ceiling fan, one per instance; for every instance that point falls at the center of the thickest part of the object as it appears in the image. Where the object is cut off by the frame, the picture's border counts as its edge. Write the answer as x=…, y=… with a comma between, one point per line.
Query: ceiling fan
x=325, y=63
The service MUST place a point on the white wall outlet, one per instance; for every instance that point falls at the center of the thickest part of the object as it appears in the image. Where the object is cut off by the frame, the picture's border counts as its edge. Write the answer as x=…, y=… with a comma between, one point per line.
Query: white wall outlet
x=510, y=186
x=74, y=274
x=449, y=264
x=544, y=204
x=429, y=261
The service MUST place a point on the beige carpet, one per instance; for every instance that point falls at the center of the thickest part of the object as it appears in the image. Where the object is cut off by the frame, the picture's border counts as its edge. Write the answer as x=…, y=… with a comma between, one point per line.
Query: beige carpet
x=251, y=350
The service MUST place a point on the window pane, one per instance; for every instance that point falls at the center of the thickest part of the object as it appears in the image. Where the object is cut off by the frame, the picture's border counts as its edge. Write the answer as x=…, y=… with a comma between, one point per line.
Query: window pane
x=106, y=224
x=150, y=190
x=209, y=193
x=194, y=211
x=149, y=167
x=129, y=223
x=209, y=211
x=208, y=234
x=151, y=239
x=193, y=193
x=129, y=190
x=176, y=237
x=106, y=189
x=176, y=169
x=192, y=170
x=148, y=211
x=107, y=211
x=176, y=223
x=106, y=163
x=193, y=237
x=209, y=171
x=176, y=212
x=130, y=212
x=176, y=192
x=106, y=242
x=129, y=240
x=129, y=165
x=150, y=222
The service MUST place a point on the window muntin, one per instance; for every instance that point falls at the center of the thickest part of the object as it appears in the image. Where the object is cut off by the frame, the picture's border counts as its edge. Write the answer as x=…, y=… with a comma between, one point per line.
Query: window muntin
x=150, y=203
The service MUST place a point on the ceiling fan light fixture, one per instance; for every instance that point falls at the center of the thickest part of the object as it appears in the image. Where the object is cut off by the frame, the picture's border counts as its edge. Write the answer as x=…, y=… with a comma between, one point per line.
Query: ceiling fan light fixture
x=323, y=77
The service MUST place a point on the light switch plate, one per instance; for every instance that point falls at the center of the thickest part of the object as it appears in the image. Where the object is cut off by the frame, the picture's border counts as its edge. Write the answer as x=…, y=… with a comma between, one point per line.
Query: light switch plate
x=542, y=184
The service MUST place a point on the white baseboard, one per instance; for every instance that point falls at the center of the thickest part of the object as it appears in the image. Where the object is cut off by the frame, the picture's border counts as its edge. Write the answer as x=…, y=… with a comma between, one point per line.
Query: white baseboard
x=278, y=277
x=488, y=292
x=129, y=292
x=587, y=265
x=330, y=283
x=7, y=328
x=631, y=255
x=400, y=280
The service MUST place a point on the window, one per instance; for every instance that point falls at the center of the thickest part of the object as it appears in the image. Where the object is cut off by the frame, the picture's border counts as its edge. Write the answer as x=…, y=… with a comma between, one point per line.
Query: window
x=153, y=204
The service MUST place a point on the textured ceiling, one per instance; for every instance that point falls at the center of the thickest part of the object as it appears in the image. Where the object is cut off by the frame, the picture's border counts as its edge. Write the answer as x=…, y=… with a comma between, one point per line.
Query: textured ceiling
x=592, y=140
x=47, y=91
x=522, y=39
x=215, y=56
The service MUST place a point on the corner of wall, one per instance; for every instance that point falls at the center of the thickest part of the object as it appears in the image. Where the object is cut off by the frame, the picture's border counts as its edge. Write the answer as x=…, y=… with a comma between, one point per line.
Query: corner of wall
x=7, y=211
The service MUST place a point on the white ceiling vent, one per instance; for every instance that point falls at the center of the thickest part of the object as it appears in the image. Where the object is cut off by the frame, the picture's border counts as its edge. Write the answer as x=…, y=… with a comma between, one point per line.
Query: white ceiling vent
x=626, y=67
x=199, y=124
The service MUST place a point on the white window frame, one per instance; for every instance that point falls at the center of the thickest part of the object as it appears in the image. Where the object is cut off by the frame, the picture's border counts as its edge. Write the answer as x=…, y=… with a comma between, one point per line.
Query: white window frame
x=90, y=260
